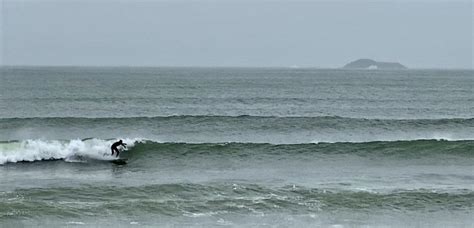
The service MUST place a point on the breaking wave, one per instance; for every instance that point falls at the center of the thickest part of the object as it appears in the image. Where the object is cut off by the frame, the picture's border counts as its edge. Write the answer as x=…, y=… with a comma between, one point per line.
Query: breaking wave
x=69, y=150
x=99, y=149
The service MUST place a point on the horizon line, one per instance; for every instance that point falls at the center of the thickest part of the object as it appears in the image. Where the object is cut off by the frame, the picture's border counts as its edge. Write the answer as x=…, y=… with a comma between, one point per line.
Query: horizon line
x=223, y=66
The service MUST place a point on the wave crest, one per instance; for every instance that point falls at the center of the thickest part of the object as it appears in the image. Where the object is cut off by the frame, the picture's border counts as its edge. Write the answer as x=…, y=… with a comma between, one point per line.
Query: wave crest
x=69, y=150
x=99, y=149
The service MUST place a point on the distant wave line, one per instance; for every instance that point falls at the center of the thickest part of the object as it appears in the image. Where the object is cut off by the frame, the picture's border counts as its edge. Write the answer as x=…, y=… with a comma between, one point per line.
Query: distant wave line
x=333, y=117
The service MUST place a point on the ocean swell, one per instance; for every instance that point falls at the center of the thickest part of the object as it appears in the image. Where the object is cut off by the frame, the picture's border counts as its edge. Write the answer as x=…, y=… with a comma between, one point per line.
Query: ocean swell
x=244, y=129
x=99, y=149
x=223, y=198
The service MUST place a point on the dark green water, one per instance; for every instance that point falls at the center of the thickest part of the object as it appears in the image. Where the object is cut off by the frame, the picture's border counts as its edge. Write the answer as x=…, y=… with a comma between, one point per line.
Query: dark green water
x=236, y=147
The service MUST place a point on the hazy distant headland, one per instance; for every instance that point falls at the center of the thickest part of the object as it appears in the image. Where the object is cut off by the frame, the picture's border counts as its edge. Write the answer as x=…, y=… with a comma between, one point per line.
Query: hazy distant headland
x=372, y=64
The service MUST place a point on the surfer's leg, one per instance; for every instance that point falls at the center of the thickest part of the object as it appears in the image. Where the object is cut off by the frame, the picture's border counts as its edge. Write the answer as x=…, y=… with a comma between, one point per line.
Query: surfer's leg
x=112, y=151
x=118, y=152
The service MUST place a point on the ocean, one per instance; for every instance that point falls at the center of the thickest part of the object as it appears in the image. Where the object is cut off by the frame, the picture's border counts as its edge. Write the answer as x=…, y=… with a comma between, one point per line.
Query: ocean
x=236, y=147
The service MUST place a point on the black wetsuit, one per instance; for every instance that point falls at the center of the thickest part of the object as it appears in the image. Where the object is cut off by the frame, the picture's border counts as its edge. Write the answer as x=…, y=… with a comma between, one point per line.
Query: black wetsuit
x=115, y=145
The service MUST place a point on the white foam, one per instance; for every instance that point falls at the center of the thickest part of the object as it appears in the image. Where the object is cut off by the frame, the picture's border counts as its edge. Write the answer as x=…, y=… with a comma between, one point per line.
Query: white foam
x=75, y=223
x=72, y=150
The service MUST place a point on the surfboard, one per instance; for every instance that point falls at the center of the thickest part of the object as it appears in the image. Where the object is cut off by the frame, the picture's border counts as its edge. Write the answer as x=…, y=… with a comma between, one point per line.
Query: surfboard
x=119, y=161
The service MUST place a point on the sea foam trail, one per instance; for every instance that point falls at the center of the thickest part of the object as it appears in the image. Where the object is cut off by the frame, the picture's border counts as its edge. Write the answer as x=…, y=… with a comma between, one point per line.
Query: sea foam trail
x=69, y=150
x=238, y=198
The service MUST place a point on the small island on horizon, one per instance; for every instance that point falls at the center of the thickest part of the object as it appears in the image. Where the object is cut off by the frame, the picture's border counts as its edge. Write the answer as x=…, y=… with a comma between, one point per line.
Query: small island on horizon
x=372, y=64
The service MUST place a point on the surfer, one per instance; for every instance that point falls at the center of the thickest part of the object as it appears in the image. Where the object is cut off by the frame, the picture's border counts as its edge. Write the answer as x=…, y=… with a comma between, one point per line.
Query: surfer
x=115, y=145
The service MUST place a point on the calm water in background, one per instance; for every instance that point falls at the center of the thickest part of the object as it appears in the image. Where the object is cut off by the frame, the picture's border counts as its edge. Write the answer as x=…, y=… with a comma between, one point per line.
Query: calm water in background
x=236, y=146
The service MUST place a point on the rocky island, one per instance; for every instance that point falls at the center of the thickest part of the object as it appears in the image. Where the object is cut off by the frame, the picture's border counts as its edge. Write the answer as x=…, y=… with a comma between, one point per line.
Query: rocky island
x=372, y=64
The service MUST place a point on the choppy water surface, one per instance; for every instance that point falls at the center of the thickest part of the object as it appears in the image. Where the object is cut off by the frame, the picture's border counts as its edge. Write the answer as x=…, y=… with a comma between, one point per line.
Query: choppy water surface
x=236, y=147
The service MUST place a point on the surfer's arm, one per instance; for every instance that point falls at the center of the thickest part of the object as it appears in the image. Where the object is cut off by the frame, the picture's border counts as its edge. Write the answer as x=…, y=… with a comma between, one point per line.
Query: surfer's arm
x=124, y=145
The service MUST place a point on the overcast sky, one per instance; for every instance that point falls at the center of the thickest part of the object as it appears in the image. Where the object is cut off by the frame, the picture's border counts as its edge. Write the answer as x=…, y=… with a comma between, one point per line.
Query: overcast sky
x=419, y=34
